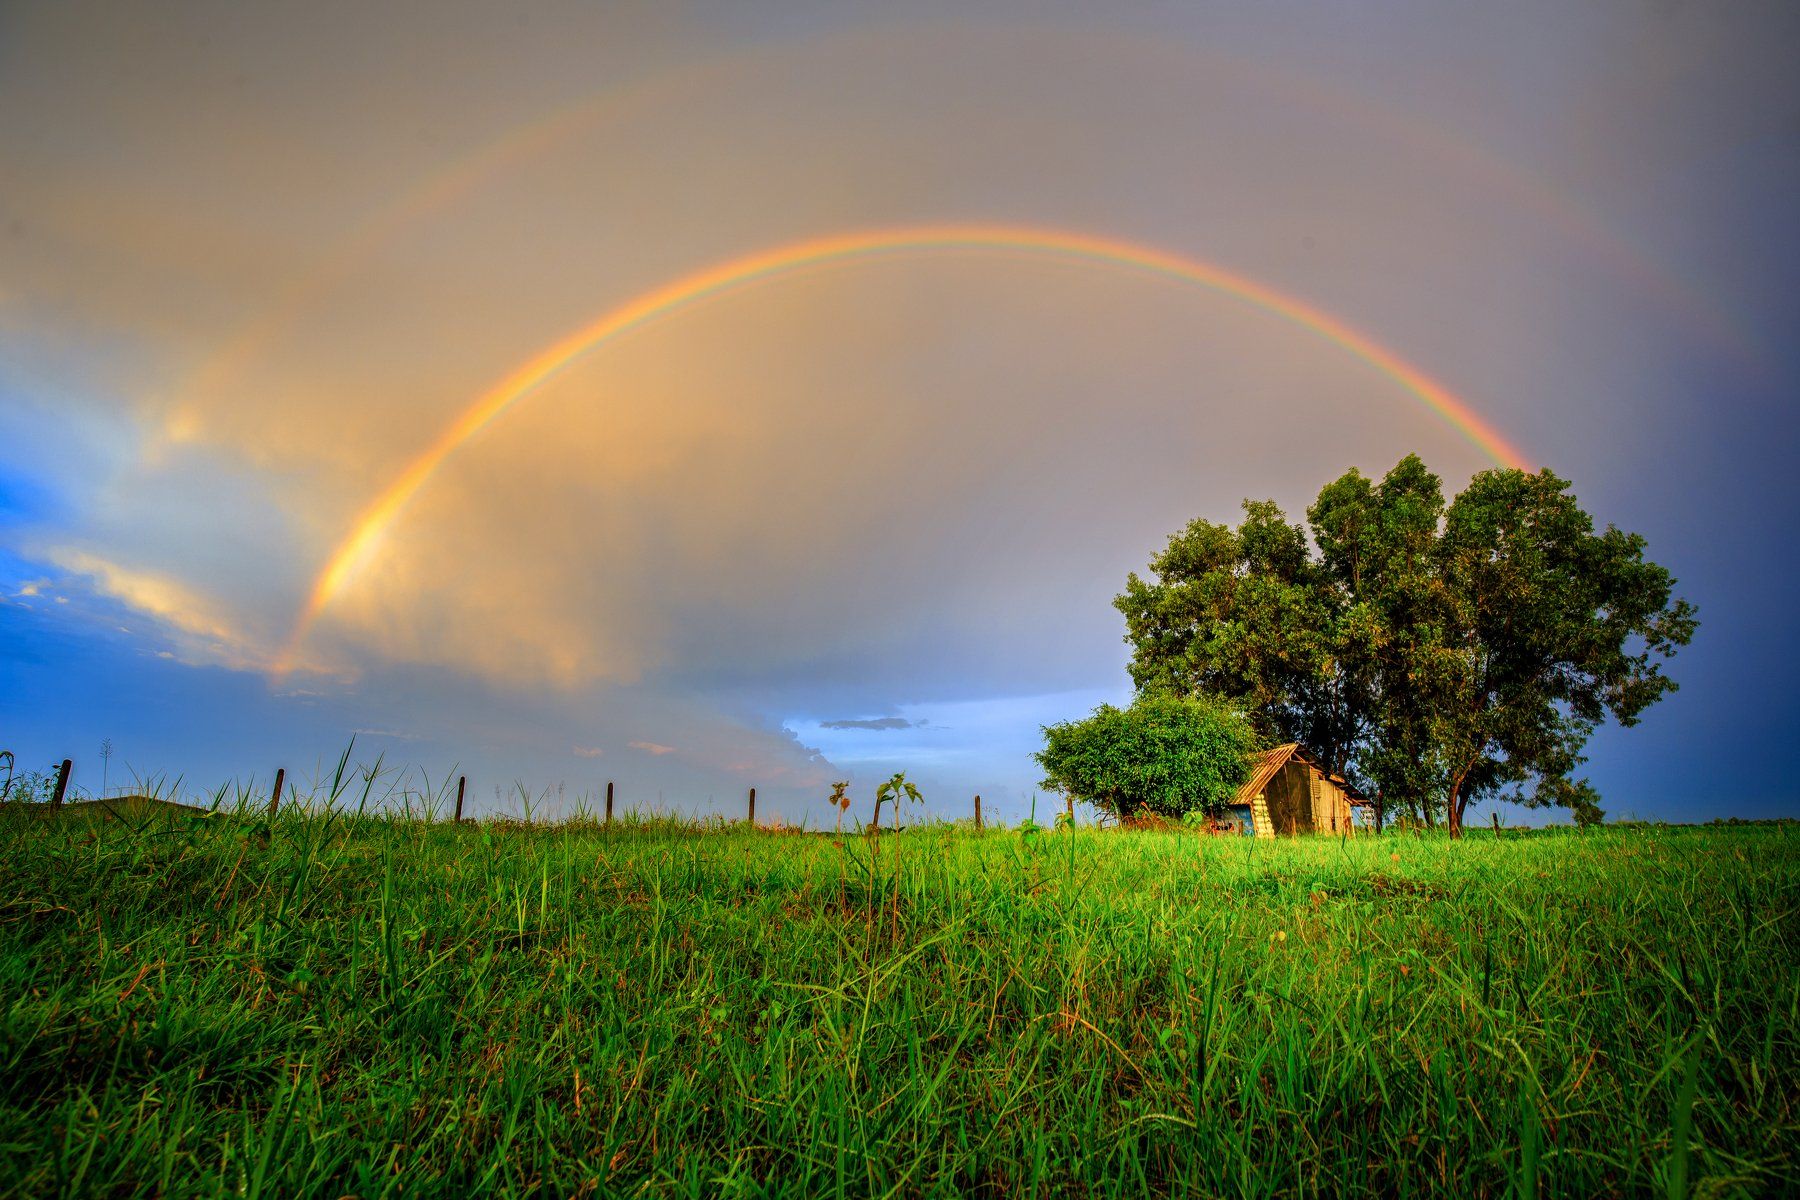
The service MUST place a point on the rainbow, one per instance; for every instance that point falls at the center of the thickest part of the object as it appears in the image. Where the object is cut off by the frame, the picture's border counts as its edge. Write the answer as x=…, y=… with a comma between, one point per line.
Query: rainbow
x=765, y=265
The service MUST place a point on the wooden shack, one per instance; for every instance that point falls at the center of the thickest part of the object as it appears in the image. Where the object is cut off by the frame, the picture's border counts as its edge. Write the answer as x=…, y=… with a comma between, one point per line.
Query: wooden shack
x=1289, y=793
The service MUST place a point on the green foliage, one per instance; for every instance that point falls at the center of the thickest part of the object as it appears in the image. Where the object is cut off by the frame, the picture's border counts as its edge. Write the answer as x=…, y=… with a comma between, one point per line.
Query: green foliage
x=1438, y=655
x=377, y=1006
x=1376, y=547
x=893, y=791
x=1164, y=754
x=1242, y=614
x=1029, y=827
x=1552, y=628
x=27, y=787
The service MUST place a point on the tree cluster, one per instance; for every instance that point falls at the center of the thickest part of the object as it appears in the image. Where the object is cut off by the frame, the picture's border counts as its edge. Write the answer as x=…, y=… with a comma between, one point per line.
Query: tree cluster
x=1437, y=654
x=1167, y=755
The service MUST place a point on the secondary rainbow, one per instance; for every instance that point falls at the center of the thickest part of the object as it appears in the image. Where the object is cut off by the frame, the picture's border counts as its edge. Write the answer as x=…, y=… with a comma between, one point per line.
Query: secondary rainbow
x=554, y=132
x=792, y=257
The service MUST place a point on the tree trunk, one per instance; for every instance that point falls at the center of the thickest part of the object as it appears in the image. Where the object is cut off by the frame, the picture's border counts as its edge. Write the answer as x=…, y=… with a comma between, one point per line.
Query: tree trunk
x=1453, y=808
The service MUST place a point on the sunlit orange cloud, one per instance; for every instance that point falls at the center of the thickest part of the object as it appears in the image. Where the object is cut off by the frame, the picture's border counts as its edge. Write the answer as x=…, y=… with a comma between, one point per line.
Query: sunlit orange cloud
x=366, y=533
x=203, y=634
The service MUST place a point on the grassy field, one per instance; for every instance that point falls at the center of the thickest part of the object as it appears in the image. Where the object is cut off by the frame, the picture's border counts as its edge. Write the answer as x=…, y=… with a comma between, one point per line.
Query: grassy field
x=330, y=1005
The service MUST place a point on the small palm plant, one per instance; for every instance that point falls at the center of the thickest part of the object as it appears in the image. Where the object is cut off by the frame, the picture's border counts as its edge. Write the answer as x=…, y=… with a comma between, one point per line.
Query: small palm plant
x=894, y=790
x=840, y=799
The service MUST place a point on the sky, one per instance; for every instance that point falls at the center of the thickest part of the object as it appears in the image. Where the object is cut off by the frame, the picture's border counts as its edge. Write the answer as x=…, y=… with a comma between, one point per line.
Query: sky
x=302, y=439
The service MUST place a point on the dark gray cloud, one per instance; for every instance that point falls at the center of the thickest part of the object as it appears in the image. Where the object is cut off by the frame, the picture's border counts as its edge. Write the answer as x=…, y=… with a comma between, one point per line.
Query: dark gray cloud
x=875, y=723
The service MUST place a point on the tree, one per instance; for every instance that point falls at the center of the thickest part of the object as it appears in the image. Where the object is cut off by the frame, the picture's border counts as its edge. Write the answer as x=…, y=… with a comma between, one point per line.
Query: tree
x=1435, y=655
x=1245, y=615
x=1376, y=543
x=1552, y=628
x=1165, y=754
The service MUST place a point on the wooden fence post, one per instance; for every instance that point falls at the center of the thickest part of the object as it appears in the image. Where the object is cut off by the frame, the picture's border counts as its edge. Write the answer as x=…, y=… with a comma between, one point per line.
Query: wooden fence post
x=62, y=784
x=462, y=783
x=977, y=814
x=275, y=796
x=753, y=806
x=609, y=784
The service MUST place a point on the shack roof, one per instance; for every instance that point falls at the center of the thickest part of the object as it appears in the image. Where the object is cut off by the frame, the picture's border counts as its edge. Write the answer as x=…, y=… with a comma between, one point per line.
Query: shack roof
x=1264, y=764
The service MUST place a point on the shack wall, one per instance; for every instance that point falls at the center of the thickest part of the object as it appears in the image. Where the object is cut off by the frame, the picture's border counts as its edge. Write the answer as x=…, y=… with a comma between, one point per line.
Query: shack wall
x=1289, y=797
x=1331, y=806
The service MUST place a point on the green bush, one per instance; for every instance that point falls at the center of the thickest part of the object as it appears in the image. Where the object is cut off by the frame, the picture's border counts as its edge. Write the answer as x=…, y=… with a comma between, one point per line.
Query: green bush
x=1165, y=754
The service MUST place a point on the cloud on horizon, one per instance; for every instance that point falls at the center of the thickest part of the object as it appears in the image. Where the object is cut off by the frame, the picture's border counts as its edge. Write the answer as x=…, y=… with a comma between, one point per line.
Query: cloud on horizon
x=875, y=723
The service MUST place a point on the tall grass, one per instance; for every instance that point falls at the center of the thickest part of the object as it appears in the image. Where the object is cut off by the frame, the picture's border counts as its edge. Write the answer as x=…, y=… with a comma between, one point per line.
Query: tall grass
x=348, y=1000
